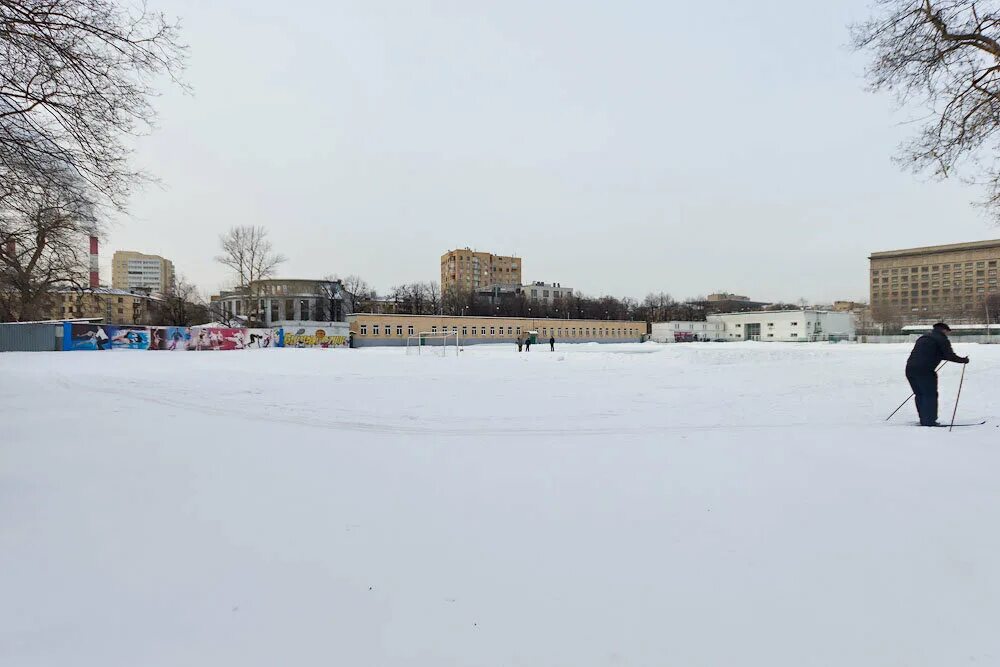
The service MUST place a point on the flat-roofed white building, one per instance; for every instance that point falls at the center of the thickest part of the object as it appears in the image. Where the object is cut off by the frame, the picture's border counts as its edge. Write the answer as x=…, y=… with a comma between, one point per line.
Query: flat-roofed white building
x=682, y=332
x=787, y=325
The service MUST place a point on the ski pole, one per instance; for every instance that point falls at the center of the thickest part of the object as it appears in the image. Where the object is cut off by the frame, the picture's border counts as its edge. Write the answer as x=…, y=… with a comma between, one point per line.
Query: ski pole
x=955, y=411
x=911, y=395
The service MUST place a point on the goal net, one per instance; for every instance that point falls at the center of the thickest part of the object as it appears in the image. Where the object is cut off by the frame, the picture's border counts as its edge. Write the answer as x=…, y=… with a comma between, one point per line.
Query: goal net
x=433, y=342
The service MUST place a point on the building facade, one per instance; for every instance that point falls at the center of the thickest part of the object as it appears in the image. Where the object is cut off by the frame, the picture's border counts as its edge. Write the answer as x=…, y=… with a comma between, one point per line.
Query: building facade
x=682, y=332
x=725, y=296
x=790, y=326
x=269, y=302
x=467, y=270
x=371, y=329
x=113, y=306
x=135, y=270
x=548, y=292
x=934, y=282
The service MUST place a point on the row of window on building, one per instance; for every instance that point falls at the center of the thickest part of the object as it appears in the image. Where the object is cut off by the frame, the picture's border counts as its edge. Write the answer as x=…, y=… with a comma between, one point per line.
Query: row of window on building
x=943, y=271
x=545, y=332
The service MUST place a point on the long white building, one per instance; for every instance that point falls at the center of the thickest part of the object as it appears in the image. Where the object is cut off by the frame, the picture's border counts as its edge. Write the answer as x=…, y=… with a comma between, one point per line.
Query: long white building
x=788, y=326
x=682, y=332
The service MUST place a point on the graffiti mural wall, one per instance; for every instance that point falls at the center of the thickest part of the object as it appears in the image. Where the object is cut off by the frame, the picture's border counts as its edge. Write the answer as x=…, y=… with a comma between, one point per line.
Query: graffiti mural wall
x=171, y=339
x=105, y=337
x=325, y=337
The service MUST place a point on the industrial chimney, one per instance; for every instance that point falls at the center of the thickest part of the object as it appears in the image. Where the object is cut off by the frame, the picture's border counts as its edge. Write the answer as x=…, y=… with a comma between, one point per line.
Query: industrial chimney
x=95, y=278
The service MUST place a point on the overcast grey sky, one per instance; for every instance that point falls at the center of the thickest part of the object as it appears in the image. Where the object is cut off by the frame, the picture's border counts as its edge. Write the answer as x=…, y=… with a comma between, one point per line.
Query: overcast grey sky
x=619, y=148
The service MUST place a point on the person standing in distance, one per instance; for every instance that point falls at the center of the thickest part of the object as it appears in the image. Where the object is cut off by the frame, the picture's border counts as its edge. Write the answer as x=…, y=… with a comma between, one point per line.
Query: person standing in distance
x=921, y=370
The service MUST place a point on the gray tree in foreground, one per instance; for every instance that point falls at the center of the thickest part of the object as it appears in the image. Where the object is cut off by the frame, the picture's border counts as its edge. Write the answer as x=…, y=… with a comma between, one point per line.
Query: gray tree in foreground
x=76, y=79
x=43, y=246
x=944, y=56
x=248, y=252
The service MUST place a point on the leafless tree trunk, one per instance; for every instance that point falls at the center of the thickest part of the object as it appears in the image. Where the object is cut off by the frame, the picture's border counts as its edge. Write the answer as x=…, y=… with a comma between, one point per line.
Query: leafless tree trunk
x=945, y=56
x=247, y=251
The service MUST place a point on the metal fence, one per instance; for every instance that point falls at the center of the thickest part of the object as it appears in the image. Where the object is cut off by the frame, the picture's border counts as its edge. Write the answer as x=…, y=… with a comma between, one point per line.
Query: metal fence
x=30, y=337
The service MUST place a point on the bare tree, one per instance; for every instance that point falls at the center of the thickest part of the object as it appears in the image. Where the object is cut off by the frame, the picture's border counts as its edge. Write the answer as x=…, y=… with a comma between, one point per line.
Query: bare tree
x=335, y=303
x=43, y=245
x=247, y=251
x=945, y=56
x=180, y=306
x=76, y=78
x=432, y=293
x=361, y=293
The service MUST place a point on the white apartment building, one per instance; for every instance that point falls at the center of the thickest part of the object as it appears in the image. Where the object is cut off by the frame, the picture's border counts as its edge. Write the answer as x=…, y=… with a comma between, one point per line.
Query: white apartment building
x=134, y=270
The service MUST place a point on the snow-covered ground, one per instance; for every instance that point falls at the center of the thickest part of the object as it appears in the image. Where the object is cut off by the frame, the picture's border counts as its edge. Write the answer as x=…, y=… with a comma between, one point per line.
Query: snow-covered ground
x=736, y=504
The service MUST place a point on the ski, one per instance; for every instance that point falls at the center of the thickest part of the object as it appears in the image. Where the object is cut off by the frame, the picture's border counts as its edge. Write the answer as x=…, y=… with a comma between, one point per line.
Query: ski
x=980, y=423
x=965, y=424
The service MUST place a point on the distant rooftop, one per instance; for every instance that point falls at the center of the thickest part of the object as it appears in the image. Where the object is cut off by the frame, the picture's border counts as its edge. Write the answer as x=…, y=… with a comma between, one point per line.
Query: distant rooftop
x=933, y=249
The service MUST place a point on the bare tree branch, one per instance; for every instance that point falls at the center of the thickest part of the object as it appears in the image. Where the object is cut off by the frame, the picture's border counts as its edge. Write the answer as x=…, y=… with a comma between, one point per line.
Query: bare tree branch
x=943, y=55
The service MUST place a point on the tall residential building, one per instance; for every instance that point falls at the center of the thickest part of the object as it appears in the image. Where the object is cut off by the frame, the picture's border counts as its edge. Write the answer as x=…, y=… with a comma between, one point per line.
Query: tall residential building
x=468, y=270
x=934, y=282
x=134, y=270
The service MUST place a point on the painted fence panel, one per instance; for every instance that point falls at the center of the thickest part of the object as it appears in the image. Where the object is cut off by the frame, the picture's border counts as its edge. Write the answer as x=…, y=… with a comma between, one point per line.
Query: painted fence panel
x=324, y=337
x=172, y=339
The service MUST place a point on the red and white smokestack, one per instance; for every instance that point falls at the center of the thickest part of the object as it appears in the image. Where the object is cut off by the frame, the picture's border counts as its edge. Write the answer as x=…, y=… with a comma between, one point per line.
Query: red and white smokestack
x=95, y=278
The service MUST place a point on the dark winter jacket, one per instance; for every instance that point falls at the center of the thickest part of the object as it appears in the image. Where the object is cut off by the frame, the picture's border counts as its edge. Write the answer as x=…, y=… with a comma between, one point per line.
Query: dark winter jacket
x=929, y=351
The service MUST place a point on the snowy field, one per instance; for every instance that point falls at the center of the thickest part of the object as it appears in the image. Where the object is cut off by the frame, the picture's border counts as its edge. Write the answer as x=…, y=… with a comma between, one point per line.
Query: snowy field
x=718, y=505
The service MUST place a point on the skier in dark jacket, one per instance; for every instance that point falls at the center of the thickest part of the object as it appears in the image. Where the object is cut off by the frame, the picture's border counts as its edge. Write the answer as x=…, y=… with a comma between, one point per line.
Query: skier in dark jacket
x=921, y=370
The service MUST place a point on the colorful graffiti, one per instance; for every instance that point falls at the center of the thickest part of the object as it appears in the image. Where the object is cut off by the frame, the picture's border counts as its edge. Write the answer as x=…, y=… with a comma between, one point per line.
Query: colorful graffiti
x=173, y=339
x=262, y=338
x=314, y=337
x=86, y=337
x=128, y=338
x=105, y=337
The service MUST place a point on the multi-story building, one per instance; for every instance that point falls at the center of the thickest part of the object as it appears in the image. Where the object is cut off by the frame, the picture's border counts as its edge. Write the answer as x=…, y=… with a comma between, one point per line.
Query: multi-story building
x=468, y=270
x=372, y=329
x=114, y=306
x=934, y=282
x=726, y=296
x=278, y=300
x=135, y=270
x=548, y=292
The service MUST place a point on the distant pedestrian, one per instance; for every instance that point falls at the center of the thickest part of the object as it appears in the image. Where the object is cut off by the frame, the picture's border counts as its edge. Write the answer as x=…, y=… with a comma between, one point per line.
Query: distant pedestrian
x=930, y=350
x=527, y=344
x=552, y=343
x=520, y=343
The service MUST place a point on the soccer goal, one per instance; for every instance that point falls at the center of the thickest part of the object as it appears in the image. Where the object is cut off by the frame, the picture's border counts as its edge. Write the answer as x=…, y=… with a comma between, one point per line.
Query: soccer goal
x=439, y=342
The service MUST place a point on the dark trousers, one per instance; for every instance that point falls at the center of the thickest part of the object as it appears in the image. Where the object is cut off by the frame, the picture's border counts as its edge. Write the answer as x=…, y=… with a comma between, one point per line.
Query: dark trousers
x=925, y=394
